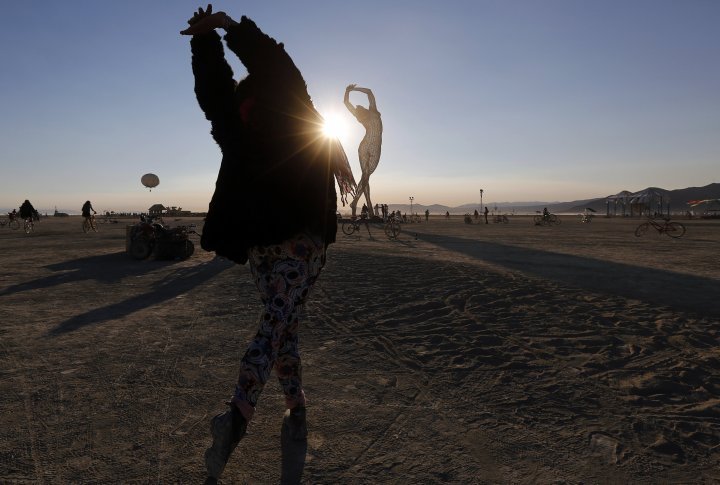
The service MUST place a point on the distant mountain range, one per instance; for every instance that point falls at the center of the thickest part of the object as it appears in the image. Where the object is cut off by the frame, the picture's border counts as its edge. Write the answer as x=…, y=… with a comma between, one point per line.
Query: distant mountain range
x=678, y=202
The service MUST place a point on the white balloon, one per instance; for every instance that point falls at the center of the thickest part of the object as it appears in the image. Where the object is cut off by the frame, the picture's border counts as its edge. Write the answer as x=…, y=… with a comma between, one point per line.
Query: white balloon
x=150, y=180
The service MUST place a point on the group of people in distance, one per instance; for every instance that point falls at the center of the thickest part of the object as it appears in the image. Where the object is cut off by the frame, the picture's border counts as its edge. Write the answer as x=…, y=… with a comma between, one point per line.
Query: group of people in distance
x=386, y=214
x=27, y=211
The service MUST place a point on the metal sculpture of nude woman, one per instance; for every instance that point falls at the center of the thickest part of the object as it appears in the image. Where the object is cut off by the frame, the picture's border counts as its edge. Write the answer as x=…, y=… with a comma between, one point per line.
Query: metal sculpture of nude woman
x=369, y=149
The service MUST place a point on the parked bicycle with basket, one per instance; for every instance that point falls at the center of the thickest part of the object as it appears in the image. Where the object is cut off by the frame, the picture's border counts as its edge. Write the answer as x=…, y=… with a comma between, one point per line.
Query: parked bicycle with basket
x=149, y=237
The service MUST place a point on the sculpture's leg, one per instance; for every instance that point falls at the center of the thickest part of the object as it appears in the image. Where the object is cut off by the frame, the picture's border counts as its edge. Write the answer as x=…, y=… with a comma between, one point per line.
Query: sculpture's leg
x=366, y=190
x=358, y=193
x=369, y=157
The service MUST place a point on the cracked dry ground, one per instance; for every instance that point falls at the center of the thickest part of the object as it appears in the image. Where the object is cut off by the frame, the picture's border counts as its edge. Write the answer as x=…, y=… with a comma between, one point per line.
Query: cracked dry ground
x=450, y=356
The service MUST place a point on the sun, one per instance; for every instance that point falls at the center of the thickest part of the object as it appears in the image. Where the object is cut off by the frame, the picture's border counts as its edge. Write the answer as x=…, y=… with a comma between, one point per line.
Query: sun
x=334, y=126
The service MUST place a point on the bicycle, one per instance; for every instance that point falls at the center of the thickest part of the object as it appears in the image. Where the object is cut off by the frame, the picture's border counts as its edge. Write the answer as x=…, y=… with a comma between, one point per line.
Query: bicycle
x=353, y=225
x=151, y=238
x=28, y=225
x=587, y=215
x=392, y=228
x=107, y=220
x=549, y=220
x=672, y=229
x=501, y=219
x=89, y=224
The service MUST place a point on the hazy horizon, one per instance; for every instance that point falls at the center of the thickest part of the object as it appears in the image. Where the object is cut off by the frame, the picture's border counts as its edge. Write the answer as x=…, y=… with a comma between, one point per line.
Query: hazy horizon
x=527, y=100
x=346, y=208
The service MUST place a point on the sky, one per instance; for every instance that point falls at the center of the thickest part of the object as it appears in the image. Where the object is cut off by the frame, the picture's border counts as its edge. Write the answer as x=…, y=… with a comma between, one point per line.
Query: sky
x=535, y=100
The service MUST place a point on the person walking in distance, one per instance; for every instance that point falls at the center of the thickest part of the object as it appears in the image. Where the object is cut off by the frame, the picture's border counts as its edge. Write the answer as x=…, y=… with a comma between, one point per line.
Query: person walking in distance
x=274, y=159
x=369, y=149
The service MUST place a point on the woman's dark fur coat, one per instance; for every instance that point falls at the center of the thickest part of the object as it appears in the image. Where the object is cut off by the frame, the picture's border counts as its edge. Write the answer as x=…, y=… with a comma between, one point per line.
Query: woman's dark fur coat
x=276, y=176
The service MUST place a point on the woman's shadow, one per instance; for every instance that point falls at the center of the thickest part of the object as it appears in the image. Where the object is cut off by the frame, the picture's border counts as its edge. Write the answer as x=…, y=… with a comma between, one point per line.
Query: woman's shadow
x=105, y=268
x=111, y=269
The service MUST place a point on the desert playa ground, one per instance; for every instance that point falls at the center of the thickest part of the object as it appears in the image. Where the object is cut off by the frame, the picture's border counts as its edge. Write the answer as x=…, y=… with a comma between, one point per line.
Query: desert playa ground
x=460, y=353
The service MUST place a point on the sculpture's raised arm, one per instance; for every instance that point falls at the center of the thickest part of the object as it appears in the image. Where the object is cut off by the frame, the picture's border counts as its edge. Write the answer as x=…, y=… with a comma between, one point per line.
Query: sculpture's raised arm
x=347, y=102
x=371, y=97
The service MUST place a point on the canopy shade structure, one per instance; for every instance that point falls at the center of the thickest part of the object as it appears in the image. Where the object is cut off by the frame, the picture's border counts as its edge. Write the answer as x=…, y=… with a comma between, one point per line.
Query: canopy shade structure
x=645, y=202
x=619, y=200
x=157, y=209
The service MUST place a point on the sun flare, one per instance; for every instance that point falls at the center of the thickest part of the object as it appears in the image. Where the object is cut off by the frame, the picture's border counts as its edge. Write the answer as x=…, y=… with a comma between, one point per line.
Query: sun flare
x=334, y=126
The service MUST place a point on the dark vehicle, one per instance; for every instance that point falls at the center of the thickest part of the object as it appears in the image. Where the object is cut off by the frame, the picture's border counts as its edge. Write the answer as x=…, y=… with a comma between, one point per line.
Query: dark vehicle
x=150, y=237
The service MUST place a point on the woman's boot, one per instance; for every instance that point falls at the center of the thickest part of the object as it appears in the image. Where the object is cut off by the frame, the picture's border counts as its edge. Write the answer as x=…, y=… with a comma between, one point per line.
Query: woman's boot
x=227, y=429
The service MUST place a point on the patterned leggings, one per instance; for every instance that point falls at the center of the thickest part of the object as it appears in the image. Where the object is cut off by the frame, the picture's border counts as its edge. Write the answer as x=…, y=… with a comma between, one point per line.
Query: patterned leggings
x=284, y=274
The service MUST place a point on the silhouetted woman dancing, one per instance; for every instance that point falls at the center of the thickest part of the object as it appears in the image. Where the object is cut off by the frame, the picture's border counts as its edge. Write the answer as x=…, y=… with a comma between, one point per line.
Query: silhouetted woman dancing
x=274, y=159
